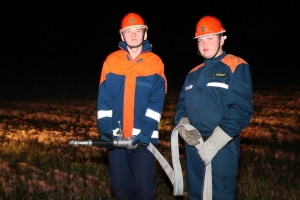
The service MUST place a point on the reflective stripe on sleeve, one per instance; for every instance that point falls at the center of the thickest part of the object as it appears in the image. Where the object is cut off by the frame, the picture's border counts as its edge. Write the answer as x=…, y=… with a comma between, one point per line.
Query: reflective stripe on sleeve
x=104, y=113
x=152, y=114
x=115, y=131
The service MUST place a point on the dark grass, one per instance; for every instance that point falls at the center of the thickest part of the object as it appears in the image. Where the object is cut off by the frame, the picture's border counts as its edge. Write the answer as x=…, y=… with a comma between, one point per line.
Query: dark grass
x=269, y=166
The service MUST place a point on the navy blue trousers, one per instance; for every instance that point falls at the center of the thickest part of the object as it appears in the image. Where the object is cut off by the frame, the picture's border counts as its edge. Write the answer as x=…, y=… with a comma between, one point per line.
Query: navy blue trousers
x=132, y=174
x=224, y=172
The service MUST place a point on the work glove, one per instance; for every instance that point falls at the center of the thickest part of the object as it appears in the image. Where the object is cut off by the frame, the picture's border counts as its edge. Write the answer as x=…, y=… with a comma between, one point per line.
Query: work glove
x=213, y=144
x=190, y=137
x=141, y=141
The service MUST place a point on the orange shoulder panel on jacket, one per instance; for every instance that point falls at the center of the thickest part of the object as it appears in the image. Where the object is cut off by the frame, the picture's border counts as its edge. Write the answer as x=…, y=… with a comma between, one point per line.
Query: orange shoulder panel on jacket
x=233, y=61
x=111, y=64
x=197, y=67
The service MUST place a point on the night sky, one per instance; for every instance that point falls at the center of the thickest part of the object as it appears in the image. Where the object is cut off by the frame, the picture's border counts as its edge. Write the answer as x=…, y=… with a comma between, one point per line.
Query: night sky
x=65, y=44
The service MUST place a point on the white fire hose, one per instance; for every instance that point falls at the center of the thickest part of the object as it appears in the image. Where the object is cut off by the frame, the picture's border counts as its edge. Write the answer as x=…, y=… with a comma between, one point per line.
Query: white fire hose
x=175, y=175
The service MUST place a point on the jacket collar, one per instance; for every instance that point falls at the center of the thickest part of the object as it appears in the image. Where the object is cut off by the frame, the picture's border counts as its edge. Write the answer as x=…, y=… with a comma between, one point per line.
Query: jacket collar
x=146, y=46
x=214, y=60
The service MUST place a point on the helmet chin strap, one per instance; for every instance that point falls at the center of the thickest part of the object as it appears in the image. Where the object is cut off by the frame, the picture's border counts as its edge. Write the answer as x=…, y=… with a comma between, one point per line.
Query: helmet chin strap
x=216, y=51
x=131, y=47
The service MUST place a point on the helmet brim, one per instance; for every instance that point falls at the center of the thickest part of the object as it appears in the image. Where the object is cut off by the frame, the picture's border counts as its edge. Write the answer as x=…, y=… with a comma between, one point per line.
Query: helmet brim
x=134, y=26
x=209, y=34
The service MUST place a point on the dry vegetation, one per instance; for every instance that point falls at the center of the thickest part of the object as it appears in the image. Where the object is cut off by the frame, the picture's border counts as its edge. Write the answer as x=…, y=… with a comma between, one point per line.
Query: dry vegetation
x=36, y=161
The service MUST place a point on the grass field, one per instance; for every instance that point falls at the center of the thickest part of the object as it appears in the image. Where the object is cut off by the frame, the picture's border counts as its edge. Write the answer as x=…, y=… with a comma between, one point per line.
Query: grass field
x=36, y=161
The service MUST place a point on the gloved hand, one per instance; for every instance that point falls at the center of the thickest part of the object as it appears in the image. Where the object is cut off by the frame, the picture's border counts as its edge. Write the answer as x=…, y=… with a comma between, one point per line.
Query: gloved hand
x=141, y=141
x=190, y=137
x=213, y=144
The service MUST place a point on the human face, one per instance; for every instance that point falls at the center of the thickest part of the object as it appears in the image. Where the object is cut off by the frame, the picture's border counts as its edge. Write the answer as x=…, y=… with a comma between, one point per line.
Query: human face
x=133, y=36
x=209, y=45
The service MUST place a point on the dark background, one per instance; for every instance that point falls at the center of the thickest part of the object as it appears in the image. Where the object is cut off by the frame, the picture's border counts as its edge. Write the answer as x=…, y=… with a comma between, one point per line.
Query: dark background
x=65, y=43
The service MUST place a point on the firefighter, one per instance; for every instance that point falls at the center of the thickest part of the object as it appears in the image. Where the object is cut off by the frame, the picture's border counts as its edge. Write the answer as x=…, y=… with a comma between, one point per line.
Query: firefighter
x=132, y=90
x=216, y=99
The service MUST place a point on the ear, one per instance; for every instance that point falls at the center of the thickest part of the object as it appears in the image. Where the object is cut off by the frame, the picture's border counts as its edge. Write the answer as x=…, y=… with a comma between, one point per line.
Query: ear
x=122, y=37
x=222, y=40
x=145, y=35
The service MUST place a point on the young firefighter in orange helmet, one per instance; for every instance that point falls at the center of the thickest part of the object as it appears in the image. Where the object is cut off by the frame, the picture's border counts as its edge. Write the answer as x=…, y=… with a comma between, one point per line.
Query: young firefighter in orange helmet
x=131, y=92
x=216, y=99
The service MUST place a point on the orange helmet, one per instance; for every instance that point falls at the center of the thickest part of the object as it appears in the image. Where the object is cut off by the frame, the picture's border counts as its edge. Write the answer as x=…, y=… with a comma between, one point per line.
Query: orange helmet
x=208, y=25
x=132, y=19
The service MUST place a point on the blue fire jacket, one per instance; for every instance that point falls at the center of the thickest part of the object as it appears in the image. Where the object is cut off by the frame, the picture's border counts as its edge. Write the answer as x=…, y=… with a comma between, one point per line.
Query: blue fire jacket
x=132, y=92
x=215, y=93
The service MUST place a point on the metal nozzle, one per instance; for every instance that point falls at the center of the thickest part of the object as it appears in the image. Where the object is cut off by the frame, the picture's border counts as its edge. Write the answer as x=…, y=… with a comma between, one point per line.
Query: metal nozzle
x=83, y=142
x=119, y=143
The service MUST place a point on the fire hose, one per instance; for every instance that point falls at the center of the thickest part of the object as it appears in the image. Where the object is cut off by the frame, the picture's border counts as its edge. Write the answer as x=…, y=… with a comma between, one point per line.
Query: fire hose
x=175, y=175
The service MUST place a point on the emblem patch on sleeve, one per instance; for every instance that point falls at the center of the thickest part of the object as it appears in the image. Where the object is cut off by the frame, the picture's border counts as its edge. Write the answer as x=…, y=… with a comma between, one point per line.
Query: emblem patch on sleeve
x=188, y=87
